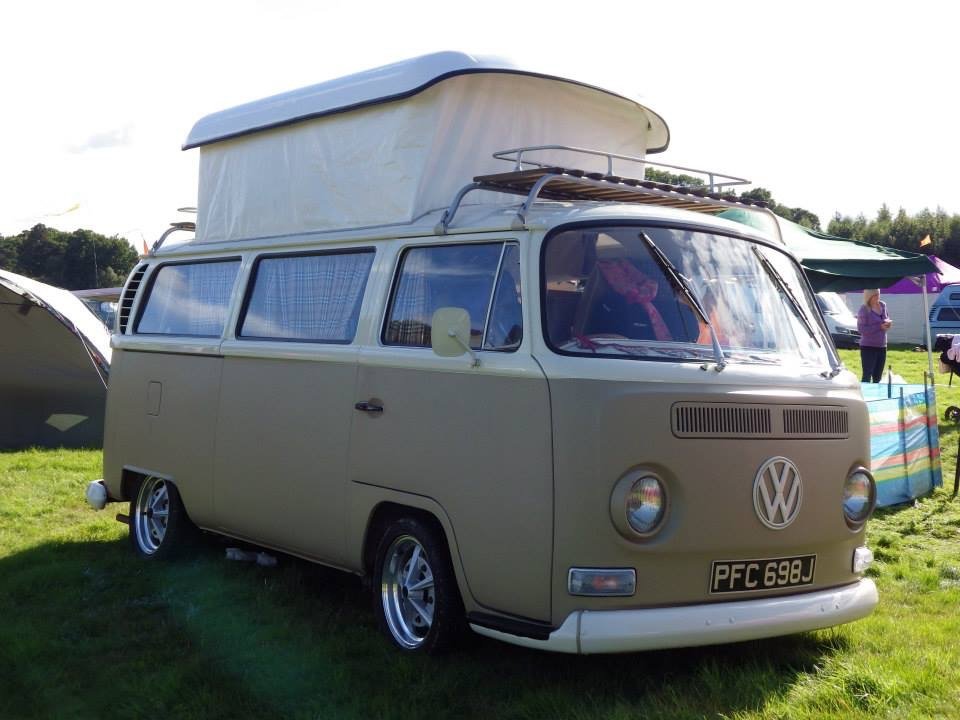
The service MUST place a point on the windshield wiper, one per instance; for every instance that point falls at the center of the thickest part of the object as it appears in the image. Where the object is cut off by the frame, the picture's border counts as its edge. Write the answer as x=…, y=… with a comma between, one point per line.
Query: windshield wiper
x=682, y=285
x=787, y=292
x=794, y=304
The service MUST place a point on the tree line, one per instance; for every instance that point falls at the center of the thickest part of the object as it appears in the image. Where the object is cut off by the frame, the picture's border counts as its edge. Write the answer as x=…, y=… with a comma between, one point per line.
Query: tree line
x=904, y=231
x=75, y=260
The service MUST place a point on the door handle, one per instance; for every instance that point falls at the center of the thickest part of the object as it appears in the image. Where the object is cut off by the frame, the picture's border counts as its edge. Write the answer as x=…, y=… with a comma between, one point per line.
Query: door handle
x=369, y=406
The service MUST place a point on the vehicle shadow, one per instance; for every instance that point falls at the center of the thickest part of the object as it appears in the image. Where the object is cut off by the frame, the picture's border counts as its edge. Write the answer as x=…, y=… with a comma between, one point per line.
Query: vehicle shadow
x=106, y=635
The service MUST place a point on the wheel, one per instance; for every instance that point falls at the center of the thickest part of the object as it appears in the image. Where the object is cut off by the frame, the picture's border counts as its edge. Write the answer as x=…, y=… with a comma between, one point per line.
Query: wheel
x=159, y=526
x=952, y=413
x=416, y=599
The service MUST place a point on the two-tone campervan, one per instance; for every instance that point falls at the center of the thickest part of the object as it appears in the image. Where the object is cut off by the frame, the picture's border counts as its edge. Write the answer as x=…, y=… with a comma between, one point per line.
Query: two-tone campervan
x=434, y=327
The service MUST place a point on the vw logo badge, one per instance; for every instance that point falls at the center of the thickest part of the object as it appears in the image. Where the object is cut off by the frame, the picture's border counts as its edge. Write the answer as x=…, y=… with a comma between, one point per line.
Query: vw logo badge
x=777, y=493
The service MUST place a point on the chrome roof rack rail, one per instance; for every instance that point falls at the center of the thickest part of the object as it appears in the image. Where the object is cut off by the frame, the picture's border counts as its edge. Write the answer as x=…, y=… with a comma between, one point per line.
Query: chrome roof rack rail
x=552, y=182
x=715, y=181
x=174, y=227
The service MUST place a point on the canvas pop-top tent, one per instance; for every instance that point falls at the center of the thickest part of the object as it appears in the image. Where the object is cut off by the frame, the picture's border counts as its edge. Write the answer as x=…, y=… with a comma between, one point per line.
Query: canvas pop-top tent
x=395, y=139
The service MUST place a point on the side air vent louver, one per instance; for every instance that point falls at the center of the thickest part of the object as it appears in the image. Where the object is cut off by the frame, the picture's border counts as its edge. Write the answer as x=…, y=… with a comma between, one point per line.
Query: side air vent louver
x=129, y=293
x=721, y=420
x=818, y=422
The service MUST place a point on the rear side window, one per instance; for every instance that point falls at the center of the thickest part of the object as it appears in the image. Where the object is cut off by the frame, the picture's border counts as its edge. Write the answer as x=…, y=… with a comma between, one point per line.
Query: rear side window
x=483, y=279
x=949, y=314
x=309, y=298
x=189, y=299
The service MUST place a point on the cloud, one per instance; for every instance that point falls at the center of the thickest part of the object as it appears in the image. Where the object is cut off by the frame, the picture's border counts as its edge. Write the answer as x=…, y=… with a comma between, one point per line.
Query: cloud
x=118, y=137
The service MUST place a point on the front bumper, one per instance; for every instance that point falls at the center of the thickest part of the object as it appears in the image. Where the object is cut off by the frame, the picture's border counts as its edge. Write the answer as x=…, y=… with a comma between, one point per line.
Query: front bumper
x=849, y=342
x=610, y=631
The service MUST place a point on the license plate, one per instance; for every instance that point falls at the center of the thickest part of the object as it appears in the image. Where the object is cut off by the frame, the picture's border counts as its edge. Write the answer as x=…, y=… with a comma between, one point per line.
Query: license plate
x=728, y=576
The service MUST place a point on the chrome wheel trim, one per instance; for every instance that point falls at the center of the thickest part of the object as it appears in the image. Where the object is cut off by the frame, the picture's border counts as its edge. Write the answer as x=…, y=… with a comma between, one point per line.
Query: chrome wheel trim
x=407, y=592
x=151, y=514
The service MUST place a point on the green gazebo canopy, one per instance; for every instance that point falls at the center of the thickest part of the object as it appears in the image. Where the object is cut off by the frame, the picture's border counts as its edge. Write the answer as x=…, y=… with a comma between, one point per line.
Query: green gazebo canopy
x=837, y=264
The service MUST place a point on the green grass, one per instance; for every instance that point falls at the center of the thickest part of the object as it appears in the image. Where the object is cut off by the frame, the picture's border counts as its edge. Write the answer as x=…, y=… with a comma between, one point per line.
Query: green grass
x=89, y=631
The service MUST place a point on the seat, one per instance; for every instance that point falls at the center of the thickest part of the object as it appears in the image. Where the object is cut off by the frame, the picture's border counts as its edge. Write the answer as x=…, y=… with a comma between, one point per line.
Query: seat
x=604, y=311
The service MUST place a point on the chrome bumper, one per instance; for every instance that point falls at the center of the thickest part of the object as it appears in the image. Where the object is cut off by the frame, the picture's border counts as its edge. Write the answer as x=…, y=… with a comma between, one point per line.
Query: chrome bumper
x=611, y=631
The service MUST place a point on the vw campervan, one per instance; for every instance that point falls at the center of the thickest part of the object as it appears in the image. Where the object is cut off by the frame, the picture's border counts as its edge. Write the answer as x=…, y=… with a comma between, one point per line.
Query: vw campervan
x=542, y=398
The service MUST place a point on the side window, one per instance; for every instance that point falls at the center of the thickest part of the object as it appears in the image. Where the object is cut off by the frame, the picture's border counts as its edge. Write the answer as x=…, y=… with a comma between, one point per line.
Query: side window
x=311, y=298
x=189, y=299
x=949, y=314
x=505, y=328
x=463, y=276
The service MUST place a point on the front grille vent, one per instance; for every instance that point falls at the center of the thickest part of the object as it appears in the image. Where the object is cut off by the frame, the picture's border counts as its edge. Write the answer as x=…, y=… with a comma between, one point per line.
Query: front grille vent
x=129, y=293
x=721, y=420
x=731, y=420
x=819, y=422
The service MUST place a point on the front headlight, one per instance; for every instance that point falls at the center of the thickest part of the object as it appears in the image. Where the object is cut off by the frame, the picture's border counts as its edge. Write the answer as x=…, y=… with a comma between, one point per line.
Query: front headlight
x=645, y=504
x=859, y=498
x=638, y=504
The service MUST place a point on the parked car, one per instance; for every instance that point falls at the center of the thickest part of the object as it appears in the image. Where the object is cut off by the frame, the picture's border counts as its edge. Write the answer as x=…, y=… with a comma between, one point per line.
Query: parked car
x=544, y=401
x=840, y=321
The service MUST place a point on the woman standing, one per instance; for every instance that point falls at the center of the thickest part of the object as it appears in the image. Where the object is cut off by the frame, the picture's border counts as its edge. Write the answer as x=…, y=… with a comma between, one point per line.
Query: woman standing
x=873, y=323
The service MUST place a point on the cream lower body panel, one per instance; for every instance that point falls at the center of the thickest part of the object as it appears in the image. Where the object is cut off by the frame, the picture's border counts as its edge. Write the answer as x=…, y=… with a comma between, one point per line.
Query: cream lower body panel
x=612, y=631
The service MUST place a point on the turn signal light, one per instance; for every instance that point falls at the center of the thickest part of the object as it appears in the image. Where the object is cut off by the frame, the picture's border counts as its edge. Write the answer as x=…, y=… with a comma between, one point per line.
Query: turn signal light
x=602, y=582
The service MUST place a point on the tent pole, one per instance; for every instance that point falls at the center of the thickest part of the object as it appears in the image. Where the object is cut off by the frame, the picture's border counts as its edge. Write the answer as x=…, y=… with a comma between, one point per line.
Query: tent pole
x=926, y=324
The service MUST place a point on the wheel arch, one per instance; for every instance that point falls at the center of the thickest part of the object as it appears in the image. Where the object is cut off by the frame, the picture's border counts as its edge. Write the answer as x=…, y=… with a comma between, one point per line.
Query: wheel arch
x=379, y=506
x=130, y=478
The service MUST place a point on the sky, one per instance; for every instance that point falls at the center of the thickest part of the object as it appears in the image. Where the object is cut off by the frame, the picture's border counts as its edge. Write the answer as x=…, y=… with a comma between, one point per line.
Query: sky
x=833, y=106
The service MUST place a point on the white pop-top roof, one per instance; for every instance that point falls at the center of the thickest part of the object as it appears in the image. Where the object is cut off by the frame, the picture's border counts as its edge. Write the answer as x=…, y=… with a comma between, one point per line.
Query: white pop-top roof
x=388, y=145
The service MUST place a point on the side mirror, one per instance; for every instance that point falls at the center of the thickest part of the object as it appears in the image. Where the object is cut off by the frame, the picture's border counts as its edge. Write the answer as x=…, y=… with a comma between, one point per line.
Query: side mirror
x=450, y=333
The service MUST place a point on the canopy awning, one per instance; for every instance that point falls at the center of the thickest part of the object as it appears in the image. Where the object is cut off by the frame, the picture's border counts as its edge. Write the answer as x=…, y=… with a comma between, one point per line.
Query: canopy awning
x=946, y=274
x=54, y=357
x=835, y=263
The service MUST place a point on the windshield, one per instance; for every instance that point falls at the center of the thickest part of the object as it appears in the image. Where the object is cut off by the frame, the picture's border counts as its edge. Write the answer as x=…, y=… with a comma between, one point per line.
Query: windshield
x=605, y=294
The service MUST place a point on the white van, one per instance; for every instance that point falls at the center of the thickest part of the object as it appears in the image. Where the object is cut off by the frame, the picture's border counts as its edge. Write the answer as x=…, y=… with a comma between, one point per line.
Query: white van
x=424, y=336
x=841, y=322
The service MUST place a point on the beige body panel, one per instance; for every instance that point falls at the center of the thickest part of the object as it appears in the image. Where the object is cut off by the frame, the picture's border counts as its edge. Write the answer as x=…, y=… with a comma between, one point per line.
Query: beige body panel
x=709, y=482
x=282, y=439
x=162, y=419
x=477, y=441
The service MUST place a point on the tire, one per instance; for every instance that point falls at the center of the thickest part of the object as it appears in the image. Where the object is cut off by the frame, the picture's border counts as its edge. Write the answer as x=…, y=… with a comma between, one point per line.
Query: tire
x=415, y=594
x=159, y=525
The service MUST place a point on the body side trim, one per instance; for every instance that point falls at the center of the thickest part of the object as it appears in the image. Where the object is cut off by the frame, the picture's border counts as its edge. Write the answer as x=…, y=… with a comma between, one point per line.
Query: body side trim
x=514, y=626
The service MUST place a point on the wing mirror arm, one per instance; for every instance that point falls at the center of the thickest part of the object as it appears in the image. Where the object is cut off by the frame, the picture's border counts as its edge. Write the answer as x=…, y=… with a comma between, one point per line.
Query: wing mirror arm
x=475, y=360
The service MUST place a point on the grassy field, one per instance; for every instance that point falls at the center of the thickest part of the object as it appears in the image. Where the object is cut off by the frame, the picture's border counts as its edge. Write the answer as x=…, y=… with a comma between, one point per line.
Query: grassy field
x=87, y=631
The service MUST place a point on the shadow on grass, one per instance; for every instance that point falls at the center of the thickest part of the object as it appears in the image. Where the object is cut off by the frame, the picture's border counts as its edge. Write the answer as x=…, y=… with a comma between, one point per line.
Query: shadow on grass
x=91, y=631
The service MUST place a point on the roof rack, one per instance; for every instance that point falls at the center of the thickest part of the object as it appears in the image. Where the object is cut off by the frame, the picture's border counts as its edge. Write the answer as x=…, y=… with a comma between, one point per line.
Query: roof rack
x=184, y=226
x=552, y=182
x=515, y=155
